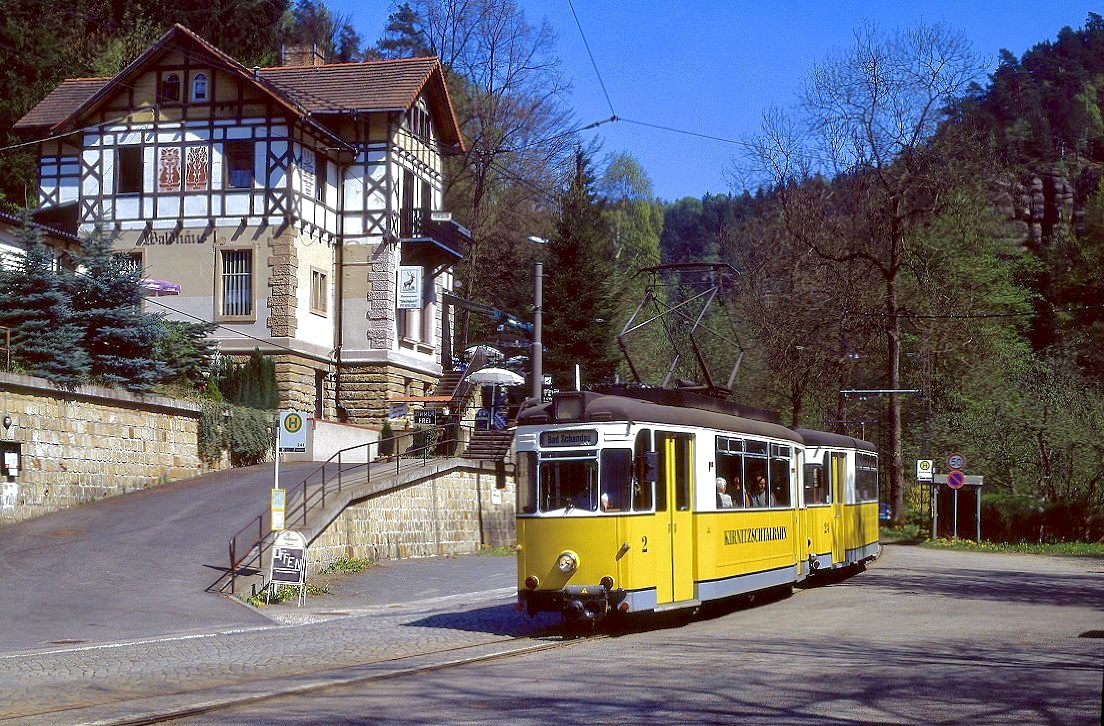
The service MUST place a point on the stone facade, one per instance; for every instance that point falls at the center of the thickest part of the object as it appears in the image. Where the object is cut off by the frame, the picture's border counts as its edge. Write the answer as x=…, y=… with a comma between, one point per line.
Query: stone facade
x=366, y=390
x=453, y=513
x=90, y=443
x=283, y=264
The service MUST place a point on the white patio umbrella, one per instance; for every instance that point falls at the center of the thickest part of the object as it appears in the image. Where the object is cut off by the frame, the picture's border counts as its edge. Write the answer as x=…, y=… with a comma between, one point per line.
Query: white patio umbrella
x=496, y=376
x=491, y=353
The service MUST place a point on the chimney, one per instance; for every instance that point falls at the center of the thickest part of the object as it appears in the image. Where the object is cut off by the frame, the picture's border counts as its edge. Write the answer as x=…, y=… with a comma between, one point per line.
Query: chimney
x=302, y=55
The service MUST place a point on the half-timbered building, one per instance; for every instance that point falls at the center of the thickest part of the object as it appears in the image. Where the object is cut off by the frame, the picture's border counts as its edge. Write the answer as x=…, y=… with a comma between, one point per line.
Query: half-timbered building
x=299, y=207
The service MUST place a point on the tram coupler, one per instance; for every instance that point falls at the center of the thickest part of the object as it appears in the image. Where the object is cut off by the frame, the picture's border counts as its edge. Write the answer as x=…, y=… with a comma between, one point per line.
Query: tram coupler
x=589, y=604
x=576, y=603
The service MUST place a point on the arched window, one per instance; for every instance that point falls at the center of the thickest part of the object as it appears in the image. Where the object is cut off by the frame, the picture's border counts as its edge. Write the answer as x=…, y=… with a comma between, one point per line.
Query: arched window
x=199, y=87
x=170, y=89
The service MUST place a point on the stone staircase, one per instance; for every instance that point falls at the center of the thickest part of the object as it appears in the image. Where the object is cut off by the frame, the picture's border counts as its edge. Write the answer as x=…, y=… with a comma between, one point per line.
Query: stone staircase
x=446, y=385
x=491, y=445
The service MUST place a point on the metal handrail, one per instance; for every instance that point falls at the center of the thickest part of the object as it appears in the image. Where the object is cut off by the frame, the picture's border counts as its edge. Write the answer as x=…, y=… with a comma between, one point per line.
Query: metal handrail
x=317, y=494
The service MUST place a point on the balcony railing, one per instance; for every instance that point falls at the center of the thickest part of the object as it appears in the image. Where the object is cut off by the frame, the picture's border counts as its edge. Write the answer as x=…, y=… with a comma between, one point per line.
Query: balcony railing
x=452, y=237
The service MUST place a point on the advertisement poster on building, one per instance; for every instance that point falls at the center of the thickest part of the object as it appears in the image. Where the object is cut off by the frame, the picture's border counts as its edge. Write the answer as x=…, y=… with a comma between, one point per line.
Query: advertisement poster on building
x=409, y=288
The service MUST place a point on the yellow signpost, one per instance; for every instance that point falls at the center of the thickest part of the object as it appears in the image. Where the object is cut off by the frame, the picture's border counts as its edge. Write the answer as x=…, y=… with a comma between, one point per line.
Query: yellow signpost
x=278, y=499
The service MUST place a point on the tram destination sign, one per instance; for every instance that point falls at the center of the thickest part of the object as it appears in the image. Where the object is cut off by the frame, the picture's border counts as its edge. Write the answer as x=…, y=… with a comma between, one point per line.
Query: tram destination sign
x=575, y=437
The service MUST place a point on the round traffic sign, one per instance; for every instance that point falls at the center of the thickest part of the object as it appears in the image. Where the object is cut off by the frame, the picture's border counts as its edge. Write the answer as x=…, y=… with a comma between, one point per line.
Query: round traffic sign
x=956, y=461
x=956, y=479
x=293, y=422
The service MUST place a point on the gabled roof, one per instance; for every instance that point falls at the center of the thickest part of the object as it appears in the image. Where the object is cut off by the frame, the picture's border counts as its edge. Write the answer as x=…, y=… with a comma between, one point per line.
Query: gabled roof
x=60, y=102
x=336, y=89
x=388, y=85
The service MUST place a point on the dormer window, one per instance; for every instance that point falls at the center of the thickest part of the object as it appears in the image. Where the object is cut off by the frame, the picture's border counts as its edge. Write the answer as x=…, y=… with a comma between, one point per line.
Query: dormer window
x=169, y=90
x=199, y=87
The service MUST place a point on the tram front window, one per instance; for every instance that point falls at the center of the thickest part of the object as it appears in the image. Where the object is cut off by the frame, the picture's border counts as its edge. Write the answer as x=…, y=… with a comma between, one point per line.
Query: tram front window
x=569, y=484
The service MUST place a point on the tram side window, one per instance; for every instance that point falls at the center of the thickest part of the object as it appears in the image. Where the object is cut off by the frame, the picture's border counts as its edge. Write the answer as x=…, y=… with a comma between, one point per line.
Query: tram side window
x=617, y=480
x=730, y=467
x=569, y=484
x=643, y=478
x=684, y=471
x=866, y=478
x=527, y=482
x=816, y=489
x=780, y=476
x=756, y=479
x=661, y=479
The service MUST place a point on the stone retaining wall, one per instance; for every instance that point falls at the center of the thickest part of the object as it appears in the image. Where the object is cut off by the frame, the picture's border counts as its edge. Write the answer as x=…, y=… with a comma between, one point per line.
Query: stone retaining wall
x=89, y=443
x=454, y=513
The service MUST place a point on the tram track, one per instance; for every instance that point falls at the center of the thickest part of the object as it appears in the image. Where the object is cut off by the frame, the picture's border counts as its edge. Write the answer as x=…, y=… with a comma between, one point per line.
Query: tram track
x=186, y=704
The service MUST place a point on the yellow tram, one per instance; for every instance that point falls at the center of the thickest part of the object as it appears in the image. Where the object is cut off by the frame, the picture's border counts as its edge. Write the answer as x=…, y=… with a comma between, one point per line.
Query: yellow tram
x=653, y=499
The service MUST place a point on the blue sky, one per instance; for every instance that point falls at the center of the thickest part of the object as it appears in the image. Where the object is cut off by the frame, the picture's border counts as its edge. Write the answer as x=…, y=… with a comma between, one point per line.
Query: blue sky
x=711, y=67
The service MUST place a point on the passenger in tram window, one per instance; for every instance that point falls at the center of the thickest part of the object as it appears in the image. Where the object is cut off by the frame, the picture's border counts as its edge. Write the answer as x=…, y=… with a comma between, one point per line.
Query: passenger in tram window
x=758, y=495
x=608, y=505
x=724, y=499
x=736, y=491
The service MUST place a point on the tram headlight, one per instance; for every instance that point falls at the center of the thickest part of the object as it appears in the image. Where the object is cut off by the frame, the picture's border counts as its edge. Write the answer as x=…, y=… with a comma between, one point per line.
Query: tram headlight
x=532, y=582
x=567, y=562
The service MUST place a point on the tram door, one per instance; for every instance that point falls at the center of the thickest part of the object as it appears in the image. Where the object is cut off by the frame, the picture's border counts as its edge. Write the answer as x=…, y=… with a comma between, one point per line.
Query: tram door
x=839, y=485
x=676, y=480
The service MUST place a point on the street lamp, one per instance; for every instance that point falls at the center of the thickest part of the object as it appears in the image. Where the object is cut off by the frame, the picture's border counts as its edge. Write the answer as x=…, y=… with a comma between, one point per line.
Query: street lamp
x=536, y=352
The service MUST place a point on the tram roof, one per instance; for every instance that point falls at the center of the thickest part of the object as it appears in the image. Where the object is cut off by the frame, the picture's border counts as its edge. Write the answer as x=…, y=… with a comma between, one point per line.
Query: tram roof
x=825, y=438
x=600, y=408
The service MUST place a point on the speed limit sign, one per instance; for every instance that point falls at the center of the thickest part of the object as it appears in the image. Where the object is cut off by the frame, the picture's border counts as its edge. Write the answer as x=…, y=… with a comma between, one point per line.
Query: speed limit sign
x=956, y=461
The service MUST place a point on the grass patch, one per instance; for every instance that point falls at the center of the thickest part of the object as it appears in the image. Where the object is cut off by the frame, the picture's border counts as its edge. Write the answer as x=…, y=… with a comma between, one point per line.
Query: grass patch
x=283, y=593
x=500, y=551
x=347, y=566
x=1075, y=549
x=903, y=534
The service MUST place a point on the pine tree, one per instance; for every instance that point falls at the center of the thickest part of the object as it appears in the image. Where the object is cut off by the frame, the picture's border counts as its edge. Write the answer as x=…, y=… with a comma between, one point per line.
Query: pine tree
x=120, y=338
x=187, y=351
x=580, y=307
x=403, y=36
x=45, y=341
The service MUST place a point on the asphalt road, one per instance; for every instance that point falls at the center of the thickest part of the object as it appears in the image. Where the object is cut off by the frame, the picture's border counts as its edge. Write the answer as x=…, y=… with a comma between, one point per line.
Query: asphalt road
x=921, y=637
x=131, y=566
x=104, y=618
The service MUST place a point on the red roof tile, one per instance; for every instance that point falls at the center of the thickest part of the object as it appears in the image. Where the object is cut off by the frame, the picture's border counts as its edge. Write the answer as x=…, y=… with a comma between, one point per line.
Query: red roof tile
x=61, y=102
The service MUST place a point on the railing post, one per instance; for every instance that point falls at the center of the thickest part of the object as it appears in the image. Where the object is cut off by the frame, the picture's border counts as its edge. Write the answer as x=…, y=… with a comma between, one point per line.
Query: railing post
x=233, y=568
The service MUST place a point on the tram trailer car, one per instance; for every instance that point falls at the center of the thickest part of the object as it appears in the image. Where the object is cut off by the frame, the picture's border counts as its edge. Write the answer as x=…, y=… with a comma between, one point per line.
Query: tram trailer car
x=627, y=505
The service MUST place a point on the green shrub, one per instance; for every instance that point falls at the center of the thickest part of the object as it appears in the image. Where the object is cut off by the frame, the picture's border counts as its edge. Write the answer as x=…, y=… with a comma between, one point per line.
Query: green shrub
x=424, y=442
x=1011, y=517
x=347, y=566
x=282, y=593
x=245, y=433
x=387, y=440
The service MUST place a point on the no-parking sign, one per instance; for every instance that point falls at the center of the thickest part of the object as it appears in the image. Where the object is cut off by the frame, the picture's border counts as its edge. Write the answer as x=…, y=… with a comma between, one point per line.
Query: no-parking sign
x=956, y=479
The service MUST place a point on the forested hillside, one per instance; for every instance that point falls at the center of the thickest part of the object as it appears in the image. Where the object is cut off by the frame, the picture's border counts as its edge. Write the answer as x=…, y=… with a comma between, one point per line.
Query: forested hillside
x=952, y=248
